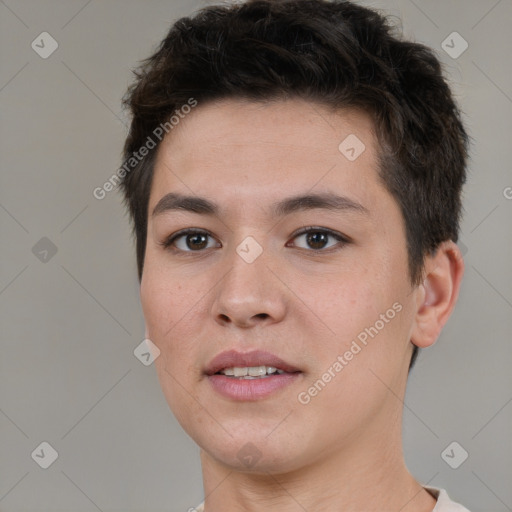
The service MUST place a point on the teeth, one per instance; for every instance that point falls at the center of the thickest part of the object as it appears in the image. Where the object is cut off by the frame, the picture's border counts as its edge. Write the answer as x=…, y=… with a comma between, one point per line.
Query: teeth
x=251, y=371
x=240, y=372
x=257, y=371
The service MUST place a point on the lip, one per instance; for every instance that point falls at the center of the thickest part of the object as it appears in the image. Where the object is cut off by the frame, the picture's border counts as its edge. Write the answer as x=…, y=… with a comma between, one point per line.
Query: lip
x=249, y=389
x=232, y=358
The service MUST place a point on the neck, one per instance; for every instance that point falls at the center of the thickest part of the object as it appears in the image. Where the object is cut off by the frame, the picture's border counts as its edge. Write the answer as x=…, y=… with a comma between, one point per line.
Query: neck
x=361, y=476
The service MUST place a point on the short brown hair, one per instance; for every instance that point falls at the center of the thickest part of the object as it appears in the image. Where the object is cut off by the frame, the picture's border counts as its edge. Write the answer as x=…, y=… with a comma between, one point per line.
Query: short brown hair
x=335, y=53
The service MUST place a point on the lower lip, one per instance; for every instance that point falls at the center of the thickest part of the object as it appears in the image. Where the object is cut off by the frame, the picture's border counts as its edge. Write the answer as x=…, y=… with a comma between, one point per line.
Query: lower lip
x=251, y=389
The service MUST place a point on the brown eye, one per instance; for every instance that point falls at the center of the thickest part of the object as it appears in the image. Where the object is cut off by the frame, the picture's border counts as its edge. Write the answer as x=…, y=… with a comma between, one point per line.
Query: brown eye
x=318, y=239
x=188, y=241
x=196, y=241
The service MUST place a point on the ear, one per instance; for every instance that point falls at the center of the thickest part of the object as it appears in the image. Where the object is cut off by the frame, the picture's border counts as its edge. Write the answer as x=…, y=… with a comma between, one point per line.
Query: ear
x=438, y=293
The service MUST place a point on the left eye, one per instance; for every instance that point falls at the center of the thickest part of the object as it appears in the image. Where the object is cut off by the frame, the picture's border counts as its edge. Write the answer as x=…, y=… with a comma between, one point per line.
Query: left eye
x=317, y=238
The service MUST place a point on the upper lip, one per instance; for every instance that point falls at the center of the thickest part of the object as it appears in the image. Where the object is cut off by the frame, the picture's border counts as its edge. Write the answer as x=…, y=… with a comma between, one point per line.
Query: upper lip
x=233, y=358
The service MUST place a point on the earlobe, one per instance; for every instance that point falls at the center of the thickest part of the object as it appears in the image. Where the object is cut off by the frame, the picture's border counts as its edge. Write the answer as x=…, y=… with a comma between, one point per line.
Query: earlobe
x=438, y=293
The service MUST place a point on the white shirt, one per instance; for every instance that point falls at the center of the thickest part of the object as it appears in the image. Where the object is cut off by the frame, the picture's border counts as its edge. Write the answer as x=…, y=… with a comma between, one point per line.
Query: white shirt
x=444, y=503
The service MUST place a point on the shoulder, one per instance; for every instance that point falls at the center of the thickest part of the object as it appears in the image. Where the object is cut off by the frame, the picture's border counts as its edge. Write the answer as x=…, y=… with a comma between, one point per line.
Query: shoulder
x=444, y=502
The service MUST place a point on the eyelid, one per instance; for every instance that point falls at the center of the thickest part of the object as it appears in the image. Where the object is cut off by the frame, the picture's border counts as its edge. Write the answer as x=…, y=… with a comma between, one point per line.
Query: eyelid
x=168, y=242
x=342, y=239
x=315, y=229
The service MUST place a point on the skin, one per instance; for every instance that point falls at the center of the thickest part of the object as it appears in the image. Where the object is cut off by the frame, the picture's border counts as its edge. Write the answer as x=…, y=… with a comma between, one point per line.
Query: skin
x=342, y=450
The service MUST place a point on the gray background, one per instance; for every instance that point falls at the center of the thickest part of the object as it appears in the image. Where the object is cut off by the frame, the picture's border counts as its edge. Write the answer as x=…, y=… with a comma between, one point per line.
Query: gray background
x=70, y=324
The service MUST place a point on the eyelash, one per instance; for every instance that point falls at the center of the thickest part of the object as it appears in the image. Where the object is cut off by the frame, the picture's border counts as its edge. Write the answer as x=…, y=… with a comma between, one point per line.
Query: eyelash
x=168, y=242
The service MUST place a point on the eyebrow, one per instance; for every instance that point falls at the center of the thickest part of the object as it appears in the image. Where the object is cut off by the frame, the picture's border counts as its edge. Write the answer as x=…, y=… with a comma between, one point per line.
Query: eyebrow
x=203, y=206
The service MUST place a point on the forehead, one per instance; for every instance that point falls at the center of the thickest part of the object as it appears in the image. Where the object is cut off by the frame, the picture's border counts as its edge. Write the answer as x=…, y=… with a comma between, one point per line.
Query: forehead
x=242, y=151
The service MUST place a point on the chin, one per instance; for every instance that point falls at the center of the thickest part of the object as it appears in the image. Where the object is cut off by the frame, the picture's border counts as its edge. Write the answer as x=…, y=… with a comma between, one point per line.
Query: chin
x=252, y=450
x=253, y=461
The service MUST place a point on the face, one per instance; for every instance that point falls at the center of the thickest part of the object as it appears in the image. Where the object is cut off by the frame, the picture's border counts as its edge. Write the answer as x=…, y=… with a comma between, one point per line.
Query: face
x=332, y=307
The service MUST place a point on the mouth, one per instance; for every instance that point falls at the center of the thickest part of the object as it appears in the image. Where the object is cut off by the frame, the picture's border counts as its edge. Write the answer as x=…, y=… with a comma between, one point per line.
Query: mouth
x=250, y=372
x=249, y=376
x=256, y=364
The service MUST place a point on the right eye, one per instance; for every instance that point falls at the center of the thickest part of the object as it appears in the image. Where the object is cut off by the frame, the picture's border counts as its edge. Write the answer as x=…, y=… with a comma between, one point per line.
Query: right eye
x=187, y=240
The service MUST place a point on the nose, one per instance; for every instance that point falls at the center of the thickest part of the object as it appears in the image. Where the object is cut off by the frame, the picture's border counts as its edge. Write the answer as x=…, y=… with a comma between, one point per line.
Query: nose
x=249, y=294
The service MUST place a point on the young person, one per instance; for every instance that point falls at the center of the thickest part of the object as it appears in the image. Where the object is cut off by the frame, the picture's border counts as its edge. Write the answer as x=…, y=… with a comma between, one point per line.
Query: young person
x=293, y=172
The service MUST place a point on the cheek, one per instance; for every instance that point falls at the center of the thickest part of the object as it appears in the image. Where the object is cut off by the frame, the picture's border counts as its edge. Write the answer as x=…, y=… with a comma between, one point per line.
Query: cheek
x=171, y=305
x=154, y=300
x=162, y=304
x=344, y=302
x=169, y=317
x=366, y=306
